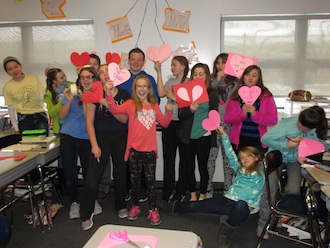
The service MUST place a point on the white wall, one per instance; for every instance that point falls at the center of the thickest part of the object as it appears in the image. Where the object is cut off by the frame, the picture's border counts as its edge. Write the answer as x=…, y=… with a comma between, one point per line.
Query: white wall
x=204, y=22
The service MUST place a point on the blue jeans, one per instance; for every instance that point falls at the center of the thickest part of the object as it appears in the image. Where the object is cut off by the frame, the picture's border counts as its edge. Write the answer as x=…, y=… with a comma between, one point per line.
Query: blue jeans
x=33, y=121
x=237, y=211
x=70, y=149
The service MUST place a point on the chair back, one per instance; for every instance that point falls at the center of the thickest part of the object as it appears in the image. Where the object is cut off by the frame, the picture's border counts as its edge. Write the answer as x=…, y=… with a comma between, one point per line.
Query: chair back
x=272, y=162
x=10, y=140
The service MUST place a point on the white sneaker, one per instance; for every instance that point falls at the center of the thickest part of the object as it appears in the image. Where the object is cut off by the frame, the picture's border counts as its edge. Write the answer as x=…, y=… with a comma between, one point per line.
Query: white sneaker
x=87, y=224
x=97, y=208
x=74, y=211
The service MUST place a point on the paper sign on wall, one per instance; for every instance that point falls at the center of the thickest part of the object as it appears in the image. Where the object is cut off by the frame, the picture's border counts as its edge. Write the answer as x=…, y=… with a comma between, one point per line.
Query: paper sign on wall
x=177, y=21
x=53, y=8
x=119, y=29
x=188, y=92
x=236, y=64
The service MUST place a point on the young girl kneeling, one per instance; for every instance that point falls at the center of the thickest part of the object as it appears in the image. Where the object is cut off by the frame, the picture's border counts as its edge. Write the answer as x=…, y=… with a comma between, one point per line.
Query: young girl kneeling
x=141, y=150
x=242, y=197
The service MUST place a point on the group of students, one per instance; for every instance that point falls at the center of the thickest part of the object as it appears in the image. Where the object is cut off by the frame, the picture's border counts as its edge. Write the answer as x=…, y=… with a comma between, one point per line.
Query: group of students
x=123, y=126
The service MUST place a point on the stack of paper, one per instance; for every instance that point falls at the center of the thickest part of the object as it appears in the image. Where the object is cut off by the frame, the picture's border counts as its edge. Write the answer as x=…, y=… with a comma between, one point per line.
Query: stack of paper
x=37, y=140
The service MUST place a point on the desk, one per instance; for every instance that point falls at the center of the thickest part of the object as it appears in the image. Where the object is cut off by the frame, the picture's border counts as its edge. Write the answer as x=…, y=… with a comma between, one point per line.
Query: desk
x=37, y=157
x=10, y=169
x=313, y=175
x=166, y=238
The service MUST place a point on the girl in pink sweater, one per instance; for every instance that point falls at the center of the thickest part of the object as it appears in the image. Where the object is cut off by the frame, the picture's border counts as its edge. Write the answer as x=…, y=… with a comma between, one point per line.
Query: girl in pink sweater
x=143, y=112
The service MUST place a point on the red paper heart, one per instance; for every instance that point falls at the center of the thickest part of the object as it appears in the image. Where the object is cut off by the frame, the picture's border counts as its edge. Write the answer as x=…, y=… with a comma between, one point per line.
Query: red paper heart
x=79, y=59
x=211, y=123
x=112, y=57
x=309, y=147
x=249, y=94
x=95, y=95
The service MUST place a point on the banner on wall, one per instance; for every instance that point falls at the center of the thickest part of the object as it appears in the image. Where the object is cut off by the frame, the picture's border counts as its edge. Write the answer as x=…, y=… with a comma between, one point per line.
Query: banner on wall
x=119, y=29
x=177, y=21
x=53, y=8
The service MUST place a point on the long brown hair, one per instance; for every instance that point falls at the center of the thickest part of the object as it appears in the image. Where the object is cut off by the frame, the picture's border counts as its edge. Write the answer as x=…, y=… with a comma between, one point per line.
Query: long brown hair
x=151, y=95
x=260, y=83
x=183, y=61
x=207, y=73
x=51, y=76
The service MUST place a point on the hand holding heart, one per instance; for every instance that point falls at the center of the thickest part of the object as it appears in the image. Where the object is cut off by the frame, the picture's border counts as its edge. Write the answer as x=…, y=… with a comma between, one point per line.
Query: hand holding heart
x=212, y=122
x=95, y=95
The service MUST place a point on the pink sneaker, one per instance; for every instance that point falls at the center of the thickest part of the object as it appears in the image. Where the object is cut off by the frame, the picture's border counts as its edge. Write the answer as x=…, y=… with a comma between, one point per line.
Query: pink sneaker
x=154, y=217
x=134, y=212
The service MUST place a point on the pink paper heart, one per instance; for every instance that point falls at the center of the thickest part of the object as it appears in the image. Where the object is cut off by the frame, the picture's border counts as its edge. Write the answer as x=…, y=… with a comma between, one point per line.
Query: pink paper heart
x=79, y=59
x=112, y=57
x=239, y=63
x=308, y=147
x=249, y=94
x=211, y=123
x=159, y=54
x=117, y=75
x=95, y=95
x=183, y=94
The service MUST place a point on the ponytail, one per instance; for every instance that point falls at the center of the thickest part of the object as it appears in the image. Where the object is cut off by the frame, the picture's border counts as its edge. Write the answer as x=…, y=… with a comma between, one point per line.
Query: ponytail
x=314, y=117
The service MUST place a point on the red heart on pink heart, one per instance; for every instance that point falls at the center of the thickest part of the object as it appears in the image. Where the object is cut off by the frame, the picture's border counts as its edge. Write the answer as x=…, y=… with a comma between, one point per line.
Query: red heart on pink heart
x=117, y=75
x=308, y=147
x=211, y=123
x=159, y=54
x=95, y=95
x=249, y=94
x=79, y=59
x=112, y=57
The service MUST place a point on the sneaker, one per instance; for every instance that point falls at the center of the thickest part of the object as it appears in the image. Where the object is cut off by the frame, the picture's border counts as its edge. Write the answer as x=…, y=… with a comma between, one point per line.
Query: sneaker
x=74, y=211
x=87, y=224
x=143, y=195
x=134, y=212
x=259, y=231
x=123, y=213
x=154, y=217
x=128, y=196
x=97, y=208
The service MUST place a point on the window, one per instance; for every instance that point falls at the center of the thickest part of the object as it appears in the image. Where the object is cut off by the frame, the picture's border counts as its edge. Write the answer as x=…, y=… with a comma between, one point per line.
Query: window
x=39, y=45
x=292, y=51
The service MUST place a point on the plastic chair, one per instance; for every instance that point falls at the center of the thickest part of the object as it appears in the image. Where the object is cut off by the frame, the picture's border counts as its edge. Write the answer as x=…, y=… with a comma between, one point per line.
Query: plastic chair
x=288, y=206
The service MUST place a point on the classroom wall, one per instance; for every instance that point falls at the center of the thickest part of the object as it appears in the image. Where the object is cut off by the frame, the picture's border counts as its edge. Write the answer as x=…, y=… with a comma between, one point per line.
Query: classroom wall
x=204, y=22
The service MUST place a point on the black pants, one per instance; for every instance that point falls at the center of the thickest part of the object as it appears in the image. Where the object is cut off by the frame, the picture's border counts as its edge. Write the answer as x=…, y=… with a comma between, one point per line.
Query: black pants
x=171, y=142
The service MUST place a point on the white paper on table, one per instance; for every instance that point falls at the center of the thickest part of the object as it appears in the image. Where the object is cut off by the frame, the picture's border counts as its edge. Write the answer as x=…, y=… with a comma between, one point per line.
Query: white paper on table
x=18, y=147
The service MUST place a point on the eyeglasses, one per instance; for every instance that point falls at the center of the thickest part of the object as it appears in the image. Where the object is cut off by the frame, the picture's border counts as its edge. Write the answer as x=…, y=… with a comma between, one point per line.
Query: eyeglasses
x=86, y=77
x=142, y=86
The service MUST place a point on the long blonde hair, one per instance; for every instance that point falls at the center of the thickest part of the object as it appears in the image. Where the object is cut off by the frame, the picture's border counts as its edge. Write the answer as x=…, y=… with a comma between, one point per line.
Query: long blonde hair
x=256, y=153
x=151, y=95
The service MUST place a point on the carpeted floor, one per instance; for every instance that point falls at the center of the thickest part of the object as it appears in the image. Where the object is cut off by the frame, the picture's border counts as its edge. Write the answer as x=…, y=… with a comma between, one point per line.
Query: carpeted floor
x=68, y=233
